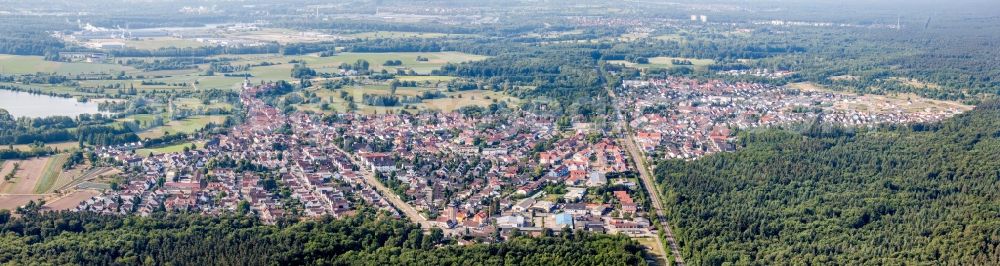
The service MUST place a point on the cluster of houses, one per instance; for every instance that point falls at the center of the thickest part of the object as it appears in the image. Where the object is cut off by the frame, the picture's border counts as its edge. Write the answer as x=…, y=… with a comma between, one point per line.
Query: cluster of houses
x=473, y=174
x=758, y=72
x=683, y=118
x=469, y=172
x=271, y=174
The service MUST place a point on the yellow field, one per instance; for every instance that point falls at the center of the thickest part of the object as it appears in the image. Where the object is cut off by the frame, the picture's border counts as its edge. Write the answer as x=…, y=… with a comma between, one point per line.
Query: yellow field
x=35, y=176
x=62, y=146
x=10, y=202
x=27, y=177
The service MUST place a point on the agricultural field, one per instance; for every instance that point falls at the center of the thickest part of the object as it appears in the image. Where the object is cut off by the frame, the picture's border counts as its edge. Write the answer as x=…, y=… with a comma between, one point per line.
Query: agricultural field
x=93, y=179
x=26, y=178
x=192, y=79
x=168, y=149
x=281, y=70
x=5, y=168
x=10, y=202
x=62, y=146
x=35, y=176
x=140, y=118
x=67, y=178
x=468, y=98
x=57, y=89
x=452, y=100
x=44, y=179
x=187, y=125
x=20, y=64
x=145, y=121
x=50, y=173
x=409, y=60
x=666, y=62
x=71, y=200
x=192, y=103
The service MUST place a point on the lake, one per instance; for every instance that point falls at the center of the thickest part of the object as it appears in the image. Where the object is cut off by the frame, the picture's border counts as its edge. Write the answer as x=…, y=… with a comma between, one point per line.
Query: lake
x=23, y=104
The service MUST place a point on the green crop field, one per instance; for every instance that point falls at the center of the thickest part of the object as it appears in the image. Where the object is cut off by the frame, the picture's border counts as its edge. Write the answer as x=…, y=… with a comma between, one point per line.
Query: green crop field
x=51, y=172
x=167, y=149
x=281, y=70
x=141, y=118
x=409, y=60
x=62, y=146
x=48, y=88
x=19, y=64
x=188, y=125
x=452, y=100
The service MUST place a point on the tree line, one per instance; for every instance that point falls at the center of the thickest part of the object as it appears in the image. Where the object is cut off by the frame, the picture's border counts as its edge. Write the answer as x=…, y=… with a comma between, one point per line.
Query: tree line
x=364, y=239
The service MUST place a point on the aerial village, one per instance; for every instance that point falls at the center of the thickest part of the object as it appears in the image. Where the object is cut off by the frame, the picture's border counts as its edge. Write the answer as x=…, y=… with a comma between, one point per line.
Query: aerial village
x=470, y=174
x=683, y=118
x=473, y=174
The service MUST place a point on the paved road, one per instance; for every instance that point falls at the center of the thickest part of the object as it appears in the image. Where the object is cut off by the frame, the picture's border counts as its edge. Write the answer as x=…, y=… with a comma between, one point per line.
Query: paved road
x=647, y=181
x=394, y=199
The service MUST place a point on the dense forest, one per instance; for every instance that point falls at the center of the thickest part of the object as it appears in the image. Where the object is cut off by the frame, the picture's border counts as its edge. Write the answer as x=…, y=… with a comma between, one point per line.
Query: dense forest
x=567, y=76
x=922, y=193
x=365, y=239
x=25, y=35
